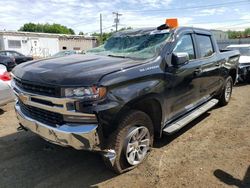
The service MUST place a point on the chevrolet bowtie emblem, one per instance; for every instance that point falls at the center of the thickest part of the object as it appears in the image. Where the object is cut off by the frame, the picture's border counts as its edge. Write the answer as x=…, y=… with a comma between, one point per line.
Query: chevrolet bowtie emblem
x=23, y=97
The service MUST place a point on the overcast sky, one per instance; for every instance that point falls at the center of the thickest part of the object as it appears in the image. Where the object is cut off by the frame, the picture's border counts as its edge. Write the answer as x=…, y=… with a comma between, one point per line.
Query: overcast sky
x=83, y=15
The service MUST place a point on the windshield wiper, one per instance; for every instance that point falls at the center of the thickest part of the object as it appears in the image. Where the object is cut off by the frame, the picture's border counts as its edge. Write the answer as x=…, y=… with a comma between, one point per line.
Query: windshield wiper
x=116, y=56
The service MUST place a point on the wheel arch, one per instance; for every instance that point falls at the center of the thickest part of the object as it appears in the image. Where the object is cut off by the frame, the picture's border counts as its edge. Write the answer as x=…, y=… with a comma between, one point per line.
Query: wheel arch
x=150, y=104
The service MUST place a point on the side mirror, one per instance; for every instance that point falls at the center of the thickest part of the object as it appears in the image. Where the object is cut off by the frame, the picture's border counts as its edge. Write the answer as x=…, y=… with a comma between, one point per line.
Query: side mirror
x=179, y=59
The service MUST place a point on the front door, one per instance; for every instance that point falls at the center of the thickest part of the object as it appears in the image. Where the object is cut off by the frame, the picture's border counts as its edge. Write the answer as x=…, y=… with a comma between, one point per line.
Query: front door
x=183, y=83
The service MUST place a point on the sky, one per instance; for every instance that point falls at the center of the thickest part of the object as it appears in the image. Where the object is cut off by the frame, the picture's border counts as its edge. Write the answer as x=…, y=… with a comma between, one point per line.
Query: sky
x=83, y=15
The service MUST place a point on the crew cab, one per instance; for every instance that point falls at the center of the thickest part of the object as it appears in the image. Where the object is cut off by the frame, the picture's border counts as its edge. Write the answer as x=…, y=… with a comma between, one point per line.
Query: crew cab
x=117, y=98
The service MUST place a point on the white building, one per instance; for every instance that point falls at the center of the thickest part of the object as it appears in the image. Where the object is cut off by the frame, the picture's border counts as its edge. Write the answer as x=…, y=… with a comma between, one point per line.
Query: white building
x=43, y=44
x=219, y=35
x=76, y=42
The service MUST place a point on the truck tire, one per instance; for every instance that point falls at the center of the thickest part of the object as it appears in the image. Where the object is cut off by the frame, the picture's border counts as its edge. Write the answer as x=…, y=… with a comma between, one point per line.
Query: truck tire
x=226, y=92
x=131, y=141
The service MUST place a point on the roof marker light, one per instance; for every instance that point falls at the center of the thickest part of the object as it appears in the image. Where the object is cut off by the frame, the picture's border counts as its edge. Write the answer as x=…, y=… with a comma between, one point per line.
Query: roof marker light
x=172, y=22
x=169, y=24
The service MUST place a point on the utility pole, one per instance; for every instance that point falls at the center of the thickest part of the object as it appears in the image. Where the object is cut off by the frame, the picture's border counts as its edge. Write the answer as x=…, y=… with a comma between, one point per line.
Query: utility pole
x=116, y=20
x=101, y=27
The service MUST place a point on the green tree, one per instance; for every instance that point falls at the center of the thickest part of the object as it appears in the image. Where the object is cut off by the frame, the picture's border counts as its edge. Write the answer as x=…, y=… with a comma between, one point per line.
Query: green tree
x=247, y=32
x=46, y=28
x=105, y=36
x=239, y=34
x=80, y=33
x=125, y=28
x=233, y=34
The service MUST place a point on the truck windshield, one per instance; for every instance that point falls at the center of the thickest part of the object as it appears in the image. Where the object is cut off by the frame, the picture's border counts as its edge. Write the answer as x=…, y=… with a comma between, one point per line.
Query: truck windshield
x=244, y=51
x=133, y=45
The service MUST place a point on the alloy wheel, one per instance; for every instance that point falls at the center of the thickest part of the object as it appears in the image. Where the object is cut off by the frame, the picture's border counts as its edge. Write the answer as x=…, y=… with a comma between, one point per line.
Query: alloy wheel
x=138, y=144
x=228, y=91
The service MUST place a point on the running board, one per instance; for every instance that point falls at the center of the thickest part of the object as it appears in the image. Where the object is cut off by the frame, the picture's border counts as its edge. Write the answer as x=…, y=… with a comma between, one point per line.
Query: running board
x=178, y=124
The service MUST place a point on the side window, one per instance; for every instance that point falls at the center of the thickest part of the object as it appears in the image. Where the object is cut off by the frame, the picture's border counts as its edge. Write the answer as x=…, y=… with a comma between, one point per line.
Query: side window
x=185, y=44
x=16, y=54
x=205, y=45
x=10, y=54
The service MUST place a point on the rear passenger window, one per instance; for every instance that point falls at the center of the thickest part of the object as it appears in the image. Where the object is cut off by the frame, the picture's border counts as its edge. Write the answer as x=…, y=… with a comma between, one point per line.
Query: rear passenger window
x=185, y=44
x=205, y=45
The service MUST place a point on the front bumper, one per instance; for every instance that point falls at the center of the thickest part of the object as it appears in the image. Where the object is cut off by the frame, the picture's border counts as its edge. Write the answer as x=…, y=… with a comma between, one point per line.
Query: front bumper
x=82, y=134
x=77, y=136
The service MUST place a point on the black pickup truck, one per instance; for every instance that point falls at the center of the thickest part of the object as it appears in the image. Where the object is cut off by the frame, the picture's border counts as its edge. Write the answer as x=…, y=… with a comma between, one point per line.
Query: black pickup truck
x=118, y=97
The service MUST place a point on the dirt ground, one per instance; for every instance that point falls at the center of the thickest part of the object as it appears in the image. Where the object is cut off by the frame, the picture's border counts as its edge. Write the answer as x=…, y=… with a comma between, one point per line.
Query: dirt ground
x=212, y=151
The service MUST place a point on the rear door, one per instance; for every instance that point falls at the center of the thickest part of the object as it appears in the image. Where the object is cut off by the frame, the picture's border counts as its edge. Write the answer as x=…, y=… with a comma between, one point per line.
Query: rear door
x=210, y=76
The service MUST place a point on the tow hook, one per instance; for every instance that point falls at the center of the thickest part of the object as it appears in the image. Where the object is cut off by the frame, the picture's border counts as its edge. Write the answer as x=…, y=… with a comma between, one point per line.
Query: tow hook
x=21, y=128
x=110, y=156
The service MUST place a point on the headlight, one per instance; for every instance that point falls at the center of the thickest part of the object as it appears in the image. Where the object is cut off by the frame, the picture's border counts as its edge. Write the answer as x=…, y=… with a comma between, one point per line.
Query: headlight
x=88, y=93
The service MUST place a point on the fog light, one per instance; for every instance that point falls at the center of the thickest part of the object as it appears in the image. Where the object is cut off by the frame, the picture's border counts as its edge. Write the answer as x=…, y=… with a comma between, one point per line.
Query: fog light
x=87, y=118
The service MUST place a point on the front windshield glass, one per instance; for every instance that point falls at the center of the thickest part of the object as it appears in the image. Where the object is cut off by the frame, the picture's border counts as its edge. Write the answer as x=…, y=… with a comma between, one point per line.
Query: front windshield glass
x=142, y=45
x=245, y=51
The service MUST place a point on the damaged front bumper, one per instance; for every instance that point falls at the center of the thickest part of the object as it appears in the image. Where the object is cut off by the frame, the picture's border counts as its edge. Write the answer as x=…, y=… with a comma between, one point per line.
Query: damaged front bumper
x=78, y=130
x=80, y=137
x=76, y=136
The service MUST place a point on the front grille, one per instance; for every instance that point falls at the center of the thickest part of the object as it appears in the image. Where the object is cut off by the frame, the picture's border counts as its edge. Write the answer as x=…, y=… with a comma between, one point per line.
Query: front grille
x=43, y=116
x=36, y=88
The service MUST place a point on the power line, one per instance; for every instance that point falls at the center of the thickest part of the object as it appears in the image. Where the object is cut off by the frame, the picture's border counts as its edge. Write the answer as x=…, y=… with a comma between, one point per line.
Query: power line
x=224, y=27
x=235, y=3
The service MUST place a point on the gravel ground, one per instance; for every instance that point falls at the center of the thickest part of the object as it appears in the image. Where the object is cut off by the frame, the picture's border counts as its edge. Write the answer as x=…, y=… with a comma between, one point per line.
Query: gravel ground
x=212, y=151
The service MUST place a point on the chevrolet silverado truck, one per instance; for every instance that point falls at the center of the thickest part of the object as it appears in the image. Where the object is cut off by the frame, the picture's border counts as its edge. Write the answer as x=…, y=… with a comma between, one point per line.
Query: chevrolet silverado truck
x=118, y=97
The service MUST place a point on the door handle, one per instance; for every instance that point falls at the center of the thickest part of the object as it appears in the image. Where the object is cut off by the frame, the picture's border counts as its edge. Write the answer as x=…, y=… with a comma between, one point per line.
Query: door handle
x=217, y=64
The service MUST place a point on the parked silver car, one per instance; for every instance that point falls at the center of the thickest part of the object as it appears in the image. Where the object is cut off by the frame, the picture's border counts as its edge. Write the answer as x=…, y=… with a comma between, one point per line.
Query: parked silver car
x=6, y=93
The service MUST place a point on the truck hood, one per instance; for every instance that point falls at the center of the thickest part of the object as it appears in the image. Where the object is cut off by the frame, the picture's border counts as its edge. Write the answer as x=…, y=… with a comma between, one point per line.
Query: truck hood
x=72, y=70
